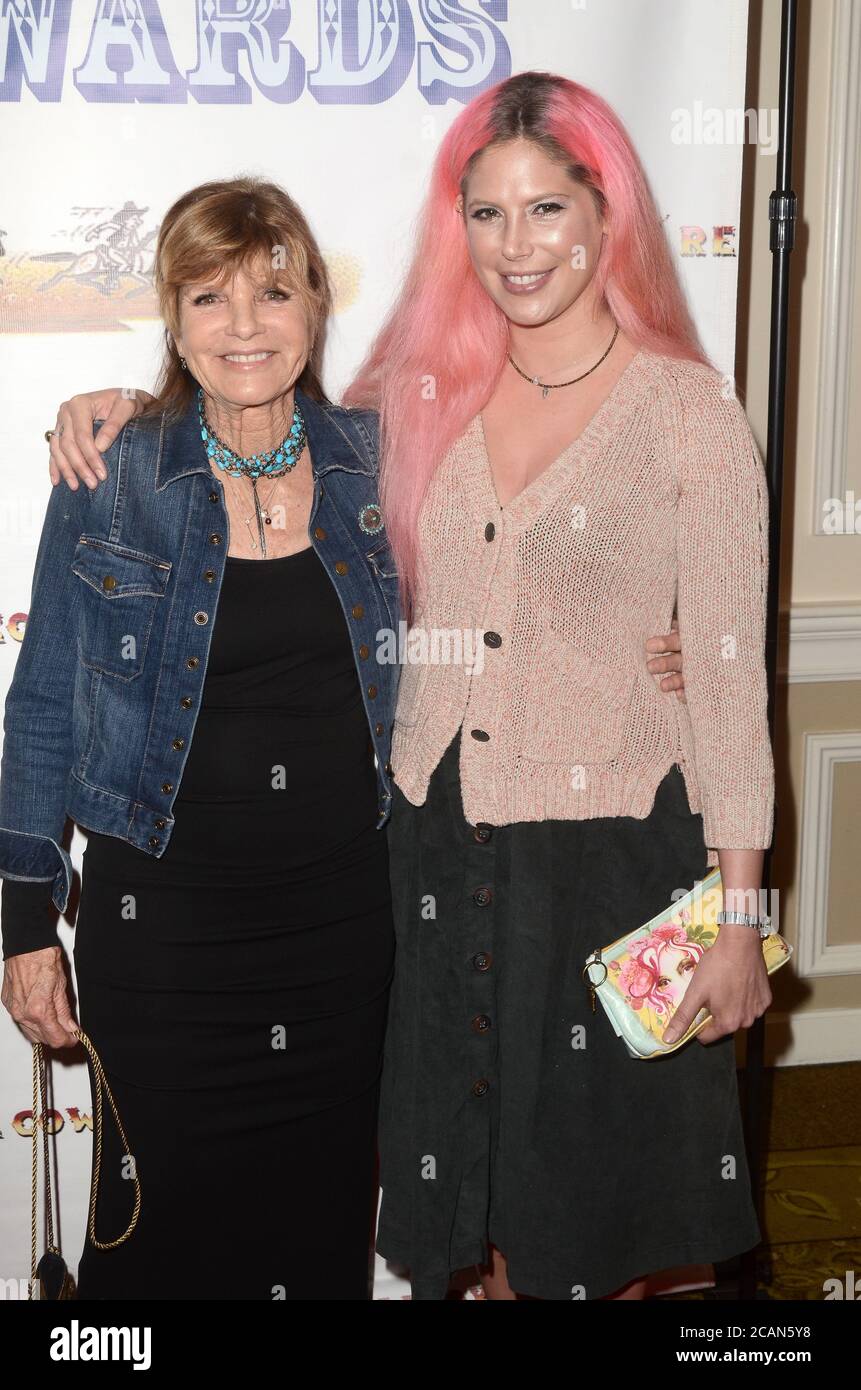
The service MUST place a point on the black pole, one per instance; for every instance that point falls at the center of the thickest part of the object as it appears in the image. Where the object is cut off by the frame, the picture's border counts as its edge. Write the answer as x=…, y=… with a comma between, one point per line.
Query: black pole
x=782, y=214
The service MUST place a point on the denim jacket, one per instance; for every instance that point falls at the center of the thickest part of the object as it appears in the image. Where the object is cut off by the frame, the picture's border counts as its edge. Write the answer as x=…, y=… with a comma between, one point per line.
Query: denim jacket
x=108, y=683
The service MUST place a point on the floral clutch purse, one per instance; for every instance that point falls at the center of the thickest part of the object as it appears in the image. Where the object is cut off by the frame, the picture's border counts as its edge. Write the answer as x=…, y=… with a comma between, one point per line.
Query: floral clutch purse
x=641, y=979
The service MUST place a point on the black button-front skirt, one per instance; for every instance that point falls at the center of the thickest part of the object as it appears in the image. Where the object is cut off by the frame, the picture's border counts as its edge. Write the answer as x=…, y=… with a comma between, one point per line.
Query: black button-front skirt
x=512, y=1113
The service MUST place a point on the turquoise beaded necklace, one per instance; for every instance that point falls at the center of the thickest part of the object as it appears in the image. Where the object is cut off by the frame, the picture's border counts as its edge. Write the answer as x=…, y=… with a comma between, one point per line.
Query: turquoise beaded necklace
x=272, y=463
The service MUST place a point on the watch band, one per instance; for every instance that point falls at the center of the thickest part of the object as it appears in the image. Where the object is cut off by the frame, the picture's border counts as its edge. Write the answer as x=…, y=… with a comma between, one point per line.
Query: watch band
x=763, y=925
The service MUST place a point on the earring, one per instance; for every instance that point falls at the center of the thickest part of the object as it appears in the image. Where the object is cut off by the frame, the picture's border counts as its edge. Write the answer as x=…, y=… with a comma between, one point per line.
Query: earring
x=183, y=364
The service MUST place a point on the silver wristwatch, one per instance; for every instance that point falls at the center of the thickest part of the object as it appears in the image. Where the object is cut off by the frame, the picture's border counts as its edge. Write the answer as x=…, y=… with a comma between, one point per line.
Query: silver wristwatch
x=763, y=925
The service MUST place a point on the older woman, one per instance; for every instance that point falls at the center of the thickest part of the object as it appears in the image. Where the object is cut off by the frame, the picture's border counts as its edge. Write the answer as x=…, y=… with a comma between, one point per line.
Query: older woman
x=198, y=689
x=448, y=1013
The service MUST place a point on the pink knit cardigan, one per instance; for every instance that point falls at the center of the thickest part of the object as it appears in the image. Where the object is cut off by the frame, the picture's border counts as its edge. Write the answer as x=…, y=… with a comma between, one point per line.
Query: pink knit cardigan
x=531, y=619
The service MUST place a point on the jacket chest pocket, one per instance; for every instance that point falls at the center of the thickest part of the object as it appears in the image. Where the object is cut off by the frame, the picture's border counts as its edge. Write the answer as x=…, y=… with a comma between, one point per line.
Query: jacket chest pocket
x=579, y=708
x=119, y=605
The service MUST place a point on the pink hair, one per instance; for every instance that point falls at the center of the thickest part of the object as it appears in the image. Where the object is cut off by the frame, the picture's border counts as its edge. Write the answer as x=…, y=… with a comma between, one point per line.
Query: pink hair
x=444, y=342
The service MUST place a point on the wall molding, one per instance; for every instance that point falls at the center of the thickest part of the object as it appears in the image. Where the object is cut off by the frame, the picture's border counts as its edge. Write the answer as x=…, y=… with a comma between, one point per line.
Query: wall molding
x=824, y=642
x=814, y=956
x=811, y=1037
x=839, y=222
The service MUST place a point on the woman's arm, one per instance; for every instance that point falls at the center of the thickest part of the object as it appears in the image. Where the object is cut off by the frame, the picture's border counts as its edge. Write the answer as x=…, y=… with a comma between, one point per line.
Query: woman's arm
x=722, y=523
x=722, y=548
x=74, y=452
x=36, y=762
x=37, y=746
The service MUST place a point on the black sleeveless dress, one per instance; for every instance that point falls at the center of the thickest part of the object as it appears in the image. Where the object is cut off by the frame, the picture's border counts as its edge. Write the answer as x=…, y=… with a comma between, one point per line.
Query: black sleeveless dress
x=236, y=989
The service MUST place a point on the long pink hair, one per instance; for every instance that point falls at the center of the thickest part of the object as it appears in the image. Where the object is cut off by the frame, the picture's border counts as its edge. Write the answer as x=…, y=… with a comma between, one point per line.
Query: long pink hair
x=437, y=358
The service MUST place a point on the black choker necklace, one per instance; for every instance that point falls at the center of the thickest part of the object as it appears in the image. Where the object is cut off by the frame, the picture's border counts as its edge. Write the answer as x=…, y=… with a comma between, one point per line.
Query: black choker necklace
x=545, y=389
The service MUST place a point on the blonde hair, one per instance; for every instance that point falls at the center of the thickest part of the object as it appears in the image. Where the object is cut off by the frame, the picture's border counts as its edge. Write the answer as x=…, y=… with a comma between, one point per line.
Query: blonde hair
x=211, y=232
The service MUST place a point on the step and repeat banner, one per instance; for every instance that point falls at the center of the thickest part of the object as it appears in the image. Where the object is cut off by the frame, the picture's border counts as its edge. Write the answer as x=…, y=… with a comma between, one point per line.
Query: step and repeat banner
x=110, y=109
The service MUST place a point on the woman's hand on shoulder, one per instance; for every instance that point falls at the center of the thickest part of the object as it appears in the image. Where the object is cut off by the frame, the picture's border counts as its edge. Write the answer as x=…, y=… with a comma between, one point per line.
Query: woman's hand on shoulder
x=35, y=993
x=74, y=452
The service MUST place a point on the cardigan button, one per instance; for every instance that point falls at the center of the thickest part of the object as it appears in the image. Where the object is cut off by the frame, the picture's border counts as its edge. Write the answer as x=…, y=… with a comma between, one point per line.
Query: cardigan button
x=480, y=1088
x=482, y=832
x=489, y=531
x=480, y=735
x=492, y=639
x=481, y=960
x=480, y=1023
x=482, y=897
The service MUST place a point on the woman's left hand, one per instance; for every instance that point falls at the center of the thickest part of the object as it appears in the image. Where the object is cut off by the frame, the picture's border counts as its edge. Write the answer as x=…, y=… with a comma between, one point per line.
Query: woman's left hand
x=670, y=644
x=731, y=981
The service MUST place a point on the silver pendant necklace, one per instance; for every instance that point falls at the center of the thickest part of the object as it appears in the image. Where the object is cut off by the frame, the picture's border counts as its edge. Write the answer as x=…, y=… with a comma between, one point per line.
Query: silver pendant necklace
x=263, y=516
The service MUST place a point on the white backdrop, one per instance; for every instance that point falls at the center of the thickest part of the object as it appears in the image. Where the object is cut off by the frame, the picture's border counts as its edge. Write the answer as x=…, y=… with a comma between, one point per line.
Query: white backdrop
x=109, y=109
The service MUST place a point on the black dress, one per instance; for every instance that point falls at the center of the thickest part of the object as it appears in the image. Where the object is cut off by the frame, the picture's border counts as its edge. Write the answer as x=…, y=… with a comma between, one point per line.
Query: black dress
x=512, y=1113
x=236, y=989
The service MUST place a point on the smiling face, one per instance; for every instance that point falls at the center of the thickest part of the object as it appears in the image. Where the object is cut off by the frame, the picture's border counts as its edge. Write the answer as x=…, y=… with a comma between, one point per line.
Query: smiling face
x=534, y=233
x=245, y=336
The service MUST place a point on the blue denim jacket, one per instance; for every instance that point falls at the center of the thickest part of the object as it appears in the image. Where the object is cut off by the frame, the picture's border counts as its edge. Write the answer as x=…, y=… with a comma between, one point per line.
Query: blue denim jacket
x=107, y=687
